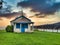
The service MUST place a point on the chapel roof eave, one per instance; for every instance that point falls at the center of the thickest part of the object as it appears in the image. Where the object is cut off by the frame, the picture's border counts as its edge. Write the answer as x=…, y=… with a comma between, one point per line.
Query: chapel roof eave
x=24, y=22
x=20, y=17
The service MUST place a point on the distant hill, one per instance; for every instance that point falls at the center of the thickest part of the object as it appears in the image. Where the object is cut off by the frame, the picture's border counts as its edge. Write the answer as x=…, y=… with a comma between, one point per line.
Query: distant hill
x=49, y=26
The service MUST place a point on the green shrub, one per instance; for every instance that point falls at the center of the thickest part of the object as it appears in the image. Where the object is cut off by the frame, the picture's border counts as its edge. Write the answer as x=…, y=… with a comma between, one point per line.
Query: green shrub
x=9, y=28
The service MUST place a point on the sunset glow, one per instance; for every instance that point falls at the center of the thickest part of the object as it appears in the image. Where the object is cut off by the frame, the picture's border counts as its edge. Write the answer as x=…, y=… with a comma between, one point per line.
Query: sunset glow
x=44, y=16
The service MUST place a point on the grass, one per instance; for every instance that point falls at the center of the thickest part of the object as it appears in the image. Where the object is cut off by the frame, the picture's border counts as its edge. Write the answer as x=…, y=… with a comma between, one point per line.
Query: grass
x=36, y=38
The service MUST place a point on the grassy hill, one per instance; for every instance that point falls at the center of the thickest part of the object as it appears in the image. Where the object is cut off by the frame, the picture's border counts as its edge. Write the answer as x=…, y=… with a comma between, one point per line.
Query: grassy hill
x=36, y=38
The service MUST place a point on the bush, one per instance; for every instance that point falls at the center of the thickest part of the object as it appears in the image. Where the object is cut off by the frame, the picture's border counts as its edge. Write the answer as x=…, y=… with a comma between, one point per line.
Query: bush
x=9, y=28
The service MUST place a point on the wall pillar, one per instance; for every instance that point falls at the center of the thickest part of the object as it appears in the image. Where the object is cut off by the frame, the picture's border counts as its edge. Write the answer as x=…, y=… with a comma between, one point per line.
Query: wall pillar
x=14, y=27
x=20, y=27
x=32, y=27
x=29, y=27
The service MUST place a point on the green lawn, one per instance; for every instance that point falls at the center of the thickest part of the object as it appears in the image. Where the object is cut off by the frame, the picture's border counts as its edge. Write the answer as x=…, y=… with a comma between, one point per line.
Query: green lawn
x=36, y=38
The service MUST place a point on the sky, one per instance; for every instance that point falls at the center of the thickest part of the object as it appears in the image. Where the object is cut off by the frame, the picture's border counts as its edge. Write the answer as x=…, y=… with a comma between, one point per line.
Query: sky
x=57, y=0
x=39, y=11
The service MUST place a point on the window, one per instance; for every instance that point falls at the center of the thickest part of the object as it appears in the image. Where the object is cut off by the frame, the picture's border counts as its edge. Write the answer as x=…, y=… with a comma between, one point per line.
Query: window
x=25, y=25
x=18, y=25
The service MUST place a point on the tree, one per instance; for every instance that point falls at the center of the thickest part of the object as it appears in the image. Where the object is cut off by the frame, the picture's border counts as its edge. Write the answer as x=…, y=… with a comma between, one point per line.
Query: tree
x=1, y=1
x=9, y=28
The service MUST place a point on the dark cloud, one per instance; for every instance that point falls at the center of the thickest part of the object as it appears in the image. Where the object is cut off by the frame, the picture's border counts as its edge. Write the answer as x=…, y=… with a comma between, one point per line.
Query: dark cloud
x=42, y=6
x=10, y=15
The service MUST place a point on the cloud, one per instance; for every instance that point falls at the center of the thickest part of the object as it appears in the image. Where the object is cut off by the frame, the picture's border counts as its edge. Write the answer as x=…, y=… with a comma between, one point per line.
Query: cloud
x=10, y=15
x=42, y=6
x=0, y=19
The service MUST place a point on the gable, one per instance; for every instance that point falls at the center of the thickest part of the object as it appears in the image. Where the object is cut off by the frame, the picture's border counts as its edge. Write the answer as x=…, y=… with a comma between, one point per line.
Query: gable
x=21, y=19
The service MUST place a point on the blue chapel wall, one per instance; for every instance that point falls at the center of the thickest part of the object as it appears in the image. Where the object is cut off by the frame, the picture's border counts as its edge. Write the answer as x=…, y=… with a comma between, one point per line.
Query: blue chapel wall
x=23, y=25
